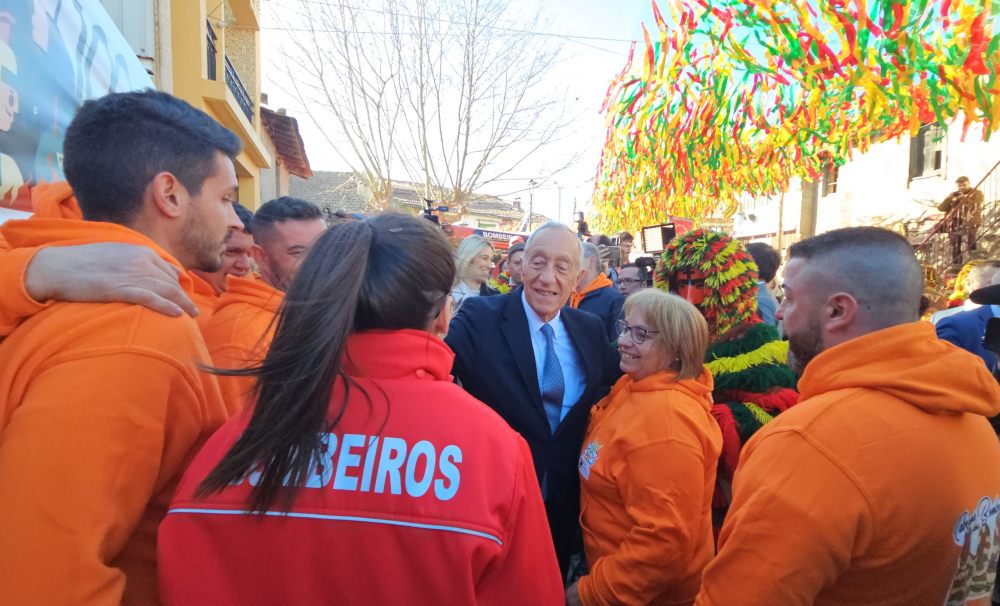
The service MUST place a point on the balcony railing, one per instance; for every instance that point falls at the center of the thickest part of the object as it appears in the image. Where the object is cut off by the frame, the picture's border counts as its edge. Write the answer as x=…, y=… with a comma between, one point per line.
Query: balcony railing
x=210, y=34
x=239, y=90
x=955, y=239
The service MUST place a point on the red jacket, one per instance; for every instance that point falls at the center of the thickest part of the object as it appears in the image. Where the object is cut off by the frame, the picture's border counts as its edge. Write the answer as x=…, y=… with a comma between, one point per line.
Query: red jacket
x=443, y=508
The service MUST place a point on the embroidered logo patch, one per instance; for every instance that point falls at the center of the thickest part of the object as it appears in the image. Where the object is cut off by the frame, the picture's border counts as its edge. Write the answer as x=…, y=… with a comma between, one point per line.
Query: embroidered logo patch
x=978, y=534
x=588, y=457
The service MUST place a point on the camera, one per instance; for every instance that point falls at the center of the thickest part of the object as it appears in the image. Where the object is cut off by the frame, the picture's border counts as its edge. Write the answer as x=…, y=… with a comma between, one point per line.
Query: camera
x=430, y=210
x=582, y=229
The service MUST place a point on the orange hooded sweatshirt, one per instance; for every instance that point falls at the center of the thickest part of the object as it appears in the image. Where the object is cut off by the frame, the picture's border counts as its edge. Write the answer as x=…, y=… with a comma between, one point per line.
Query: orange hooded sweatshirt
x=101, y=410
x=601, y=281
x=204, y=298
x=882, y=486
x=50, y=201
x=647, y=476
x=240, y=332
x=56, y=201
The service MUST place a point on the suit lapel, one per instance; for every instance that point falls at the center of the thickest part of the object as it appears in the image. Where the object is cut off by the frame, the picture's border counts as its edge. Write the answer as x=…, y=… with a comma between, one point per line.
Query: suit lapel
x=588, y=362
x=515, y=330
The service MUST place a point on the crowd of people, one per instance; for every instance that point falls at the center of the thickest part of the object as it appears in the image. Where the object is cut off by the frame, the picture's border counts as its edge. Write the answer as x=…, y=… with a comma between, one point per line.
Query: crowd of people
x=204, y=405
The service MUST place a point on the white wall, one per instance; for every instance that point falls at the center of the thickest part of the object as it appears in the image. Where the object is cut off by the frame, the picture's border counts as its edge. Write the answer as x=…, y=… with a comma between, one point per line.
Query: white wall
x=134, y=19
x=875, y=188
x=759, y=217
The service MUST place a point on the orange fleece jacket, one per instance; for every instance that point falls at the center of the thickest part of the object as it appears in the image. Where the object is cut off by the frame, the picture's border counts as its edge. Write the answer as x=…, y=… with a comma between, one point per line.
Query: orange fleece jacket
x=240, y=332
x=601, y=281
x=647, y=476
x=204, y=298
x=882, y=486
x=48, y=200
x=55, y=201
x=101, y=410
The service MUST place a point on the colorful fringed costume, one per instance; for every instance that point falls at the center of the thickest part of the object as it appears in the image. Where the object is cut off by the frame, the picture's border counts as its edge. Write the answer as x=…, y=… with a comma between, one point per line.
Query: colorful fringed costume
x=959, y=296
x=753, y=382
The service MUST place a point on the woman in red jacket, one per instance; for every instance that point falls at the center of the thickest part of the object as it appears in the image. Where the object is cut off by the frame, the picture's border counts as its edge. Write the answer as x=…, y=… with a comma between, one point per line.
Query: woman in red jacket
x=399, y=489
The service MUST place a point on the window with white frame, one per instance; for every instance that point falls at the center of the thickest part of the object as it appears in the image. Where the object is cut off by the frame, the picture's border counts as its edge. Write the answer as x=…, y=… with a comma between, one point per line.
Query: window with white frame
x=830, y=176
x=927, y=151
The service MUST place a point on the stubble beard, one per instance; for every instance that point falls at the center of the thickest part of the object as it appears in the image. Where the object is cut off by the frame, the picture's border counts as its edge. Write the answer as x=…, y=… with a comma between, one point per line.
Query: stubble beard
x=803, y=346
x=202, y=245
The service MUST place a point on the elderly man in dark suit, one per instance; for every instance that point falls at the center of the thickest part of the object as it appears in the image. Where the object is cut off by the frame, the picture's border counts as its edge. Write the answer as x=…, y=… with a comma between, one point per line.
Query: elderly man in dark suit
x=540, y=366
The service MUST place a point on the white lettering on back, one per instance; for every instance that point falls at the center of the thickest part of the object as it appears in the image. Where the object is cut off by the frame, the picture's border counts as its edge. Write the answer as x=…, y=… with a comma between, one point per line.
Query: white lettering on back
x=413, y=487
x=448, y=470
x=347, y=459
x=393, y=457
x=371, y=453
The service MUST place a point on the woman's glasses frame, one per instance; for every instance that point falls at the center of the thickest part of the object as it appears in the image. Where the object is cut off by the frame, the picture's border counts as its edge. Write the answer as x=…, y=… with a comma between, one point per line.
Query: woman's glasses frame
x=638, y=333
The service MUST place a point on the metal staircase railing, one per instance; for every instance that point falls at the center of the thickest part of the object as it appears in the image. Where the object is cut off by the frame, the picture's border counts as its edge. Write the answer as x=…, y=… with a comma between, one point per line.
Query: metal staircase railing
x=953, y=240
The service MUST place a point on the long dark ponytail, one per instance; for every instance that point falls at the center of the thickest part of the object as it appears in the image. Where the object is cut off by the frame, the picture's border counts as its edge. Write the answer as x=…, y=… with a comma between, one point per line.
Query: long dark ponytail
x=389, y=272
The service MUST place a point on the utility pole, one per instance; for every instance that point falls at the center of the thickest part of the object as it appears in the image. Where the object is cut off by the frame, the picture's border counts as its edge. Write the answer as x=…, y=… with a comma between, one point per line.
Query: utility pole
x=781, y=223
x=559, y=212
x=531, y=202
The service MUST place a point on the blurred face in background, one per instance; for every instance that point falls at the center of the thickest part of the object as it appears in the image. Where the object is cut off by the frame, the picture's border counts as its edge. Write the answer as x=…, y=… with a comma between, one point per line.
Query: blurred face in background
x=626, y=246
x=481, y=265
x=628, y=281
x=283, y=248
x=514, y=262
x=236, y=261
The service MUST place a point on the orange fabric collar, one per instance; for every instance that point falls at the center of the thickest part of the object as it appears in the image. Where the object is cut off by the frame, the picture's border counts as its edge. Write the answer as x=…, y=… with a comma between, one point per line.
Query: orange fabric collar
x=251, y=290
x=601, y=281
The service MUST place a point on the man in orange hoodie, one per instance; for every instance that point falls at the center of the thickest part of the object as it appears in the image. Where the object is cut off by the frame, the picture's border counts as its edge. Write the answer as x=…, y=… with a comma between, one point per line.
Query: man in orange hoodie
x=236, y=261
x=240, y=330
x=102, y=405
x=596, y=294
x=109, y=272
x=882, y=486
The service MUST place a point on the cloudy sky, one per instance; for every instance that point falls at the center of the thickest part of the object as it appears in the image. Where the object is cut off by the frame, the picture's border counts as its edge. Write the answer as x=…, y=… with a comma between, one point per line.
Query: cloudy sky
x=605, y=29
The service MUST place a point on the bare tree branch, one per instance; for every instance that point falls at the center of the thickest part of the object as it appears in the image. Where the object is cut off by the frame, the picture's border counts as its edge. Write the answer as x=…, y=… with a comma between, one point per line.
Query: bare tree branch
x=452, y=92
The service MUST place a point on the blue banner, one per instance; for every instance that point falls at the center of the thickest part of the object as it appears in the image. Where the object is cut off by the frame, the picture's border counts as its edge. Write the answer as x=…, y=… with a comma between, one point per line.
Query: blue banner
x=54, y=54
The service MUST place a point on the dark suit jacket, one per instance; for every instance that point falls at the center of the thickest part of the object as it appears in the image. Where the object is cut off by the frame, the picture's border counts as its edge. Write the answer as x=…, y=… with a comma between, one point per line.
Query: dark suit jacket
x=966, y=329
x=495, y=363
x=605, y=303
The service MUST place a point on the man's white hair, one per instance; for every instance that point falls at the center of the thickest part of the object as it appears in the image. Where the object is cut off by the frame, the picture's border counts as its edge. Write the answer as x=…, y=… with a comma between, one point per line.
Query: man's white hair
x=556, y=225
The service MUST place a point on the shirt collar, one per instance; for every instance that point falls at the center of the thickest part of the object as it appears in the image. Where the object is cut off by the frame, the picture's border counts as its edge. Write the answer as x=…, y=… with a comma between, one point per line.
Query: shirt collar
x=535, y=321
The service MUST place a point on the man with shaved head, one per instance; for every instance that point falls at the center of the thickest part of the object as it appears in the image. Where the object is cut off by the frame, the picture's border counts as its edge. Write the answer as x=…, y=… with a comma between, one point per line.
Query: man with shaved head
x=541, y=366
x=882, y=486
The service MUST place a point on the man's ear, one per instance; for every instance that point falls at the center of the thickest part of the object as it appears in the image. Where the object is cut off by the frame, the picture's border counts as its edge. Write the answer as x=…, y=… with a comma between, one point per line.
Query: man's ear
x=169, y=195
x=259, y=257
x=840, y=311
x=440, y=324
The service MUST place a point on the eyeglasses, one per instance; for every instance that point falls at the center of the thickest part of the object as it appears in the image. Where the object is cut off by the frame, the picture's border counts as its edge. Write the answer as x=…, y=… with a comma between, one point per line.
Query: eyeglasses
x=630, y=281
x=637, y=333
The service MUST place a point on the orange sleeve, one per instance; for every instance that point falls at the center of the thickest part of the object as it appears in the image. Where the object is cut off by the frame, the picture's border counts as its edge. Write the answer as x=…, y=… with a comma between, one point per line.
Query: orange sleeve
x=796, y=521
x=91, y=443
x=526, y=571
x=15, y=303
x=663, y=489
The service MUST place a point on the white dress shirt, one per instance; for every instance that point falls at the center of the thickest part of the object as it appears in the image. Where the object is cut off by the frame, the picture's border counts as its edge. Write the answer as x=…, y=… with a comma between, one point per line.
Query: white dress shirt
x=568, y=360
x=461, y=292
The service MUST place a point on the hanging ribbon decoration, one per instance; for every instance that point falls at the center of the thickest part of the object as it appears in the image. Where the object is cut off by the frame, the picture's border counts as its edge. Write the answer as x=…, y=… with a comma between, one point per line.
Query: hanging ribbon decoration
x=738, y=97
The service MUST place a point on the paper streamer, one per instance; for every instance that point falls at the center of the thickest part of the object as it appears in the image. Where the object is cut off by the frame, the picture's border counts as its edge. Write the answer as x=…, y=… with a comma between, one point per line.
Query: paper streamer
x=736, y=98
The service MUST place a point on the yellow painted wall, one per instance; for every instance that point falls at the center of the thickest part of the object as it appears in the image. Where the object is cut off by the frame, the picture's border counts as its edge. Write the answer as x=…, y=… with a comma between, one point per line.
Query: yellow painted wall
x=190, y=72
